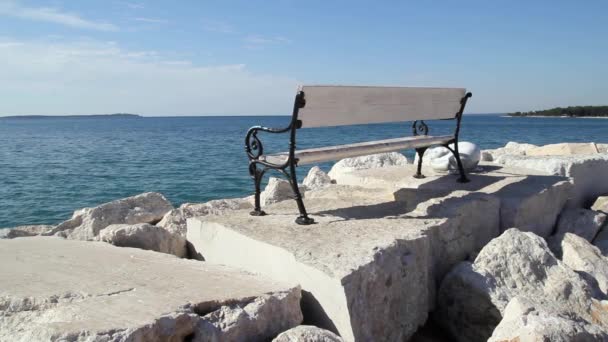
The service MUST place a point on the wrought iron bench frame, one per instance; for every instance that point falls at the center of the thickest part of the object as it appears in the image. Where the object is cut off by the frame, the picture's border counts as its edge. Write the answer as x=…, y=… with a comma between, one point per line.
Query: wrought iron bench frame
x=258, y=167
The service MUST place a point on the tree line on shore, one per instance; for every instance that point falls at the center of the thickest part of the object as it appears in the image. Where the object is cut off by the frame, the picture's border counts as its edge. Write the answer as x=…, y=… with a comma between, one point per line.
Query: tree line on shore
x=574, y=111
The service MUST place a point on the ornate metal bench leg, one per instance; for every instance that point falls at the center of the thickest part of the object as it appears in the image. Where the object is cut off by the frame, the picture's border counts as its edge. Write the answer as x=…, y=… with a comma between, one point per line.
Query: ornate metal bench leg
x=257, y=179
x=420, y=152
x=303, y=219
x=463, y=176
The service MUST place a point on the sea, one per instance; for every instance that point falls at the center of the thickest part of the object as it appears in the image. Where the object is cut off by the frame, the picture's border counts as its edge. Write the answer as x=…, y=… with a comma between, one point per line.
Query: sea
x=50, y=167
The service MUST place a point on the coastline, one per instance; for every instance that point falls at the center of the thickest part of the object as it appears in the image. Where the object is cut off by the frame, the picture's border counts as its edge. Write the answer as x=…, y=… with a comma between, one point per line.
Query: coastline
x=557, y=117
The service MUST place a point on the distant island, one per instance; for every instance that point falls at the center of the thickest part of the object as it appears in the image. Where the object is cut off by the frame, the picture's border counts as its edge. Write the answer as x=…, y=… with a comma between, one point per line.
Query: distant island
x=93, y=116
x=576, y=111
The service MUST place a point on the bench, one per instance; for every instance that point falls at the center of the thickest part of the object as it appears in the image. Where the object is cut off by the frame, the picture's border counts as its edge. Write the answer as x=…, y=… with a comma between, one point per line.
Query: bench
x=322, y=106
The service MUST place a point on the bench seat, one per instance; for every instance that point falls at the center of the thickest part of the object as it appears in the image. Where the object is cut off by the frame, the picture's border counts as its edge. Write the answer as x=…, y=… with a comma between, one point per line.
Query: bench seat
x=331, y=153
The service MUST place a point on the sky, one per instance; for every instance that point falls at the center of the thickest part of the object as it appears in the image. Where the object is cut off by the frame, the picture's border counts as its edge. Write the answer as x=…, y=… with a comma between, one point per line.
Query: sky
x=206, y=57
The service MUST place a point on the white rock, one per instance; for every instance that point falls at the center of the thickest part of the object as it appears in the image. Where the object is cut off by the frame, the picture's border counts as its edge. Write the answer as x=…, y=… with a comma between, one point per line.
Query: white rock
x=175, y=220
x=525, y=321
x=486, y=155
x=259, y=320
x=307, y=333
x=23, y=231
x=144, y=236
x=510, y=148
x=316, y=179
x=601, y=204
x=441, y=159
x=523, y=202
x=518, y=148
x=582, y=222
x=473, y=297
x=366, y=267
x=367, y=162
x=277, y=190
x=54, y=289
x=86, y=223
x=588, y=172
x=582, y=256
x=563, y=149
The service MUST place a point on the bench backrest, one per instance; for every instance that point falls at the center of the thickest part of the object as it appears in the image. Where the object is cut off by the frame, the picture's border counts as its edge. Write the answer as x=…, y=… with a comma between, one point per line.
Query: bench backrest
x=352, y=105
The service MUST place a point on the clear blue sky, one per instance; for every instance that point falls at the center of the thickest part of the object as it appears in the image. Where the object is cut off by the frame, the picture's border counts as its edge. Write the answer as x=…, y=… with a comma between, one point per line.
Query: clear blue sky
x=247, y=57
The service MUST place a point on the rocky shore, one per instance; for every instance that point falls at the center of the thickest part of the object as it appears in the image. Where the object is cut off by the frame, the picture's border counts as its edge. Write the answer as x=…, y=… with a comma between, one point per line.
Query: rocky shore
x=520, y=253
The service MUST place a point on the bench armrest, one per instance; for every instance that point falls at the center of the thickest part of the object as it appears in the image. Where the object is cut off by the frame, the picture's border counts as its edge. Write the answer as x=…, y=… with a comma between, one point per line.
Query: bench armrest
x=253, y=145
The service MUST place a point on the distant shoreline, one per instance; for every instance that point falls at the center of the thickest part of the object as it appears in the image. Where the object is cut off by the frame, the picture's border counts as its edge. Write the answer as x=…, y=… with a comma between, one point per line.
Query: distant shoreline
x=92, y=116
x=553, y=116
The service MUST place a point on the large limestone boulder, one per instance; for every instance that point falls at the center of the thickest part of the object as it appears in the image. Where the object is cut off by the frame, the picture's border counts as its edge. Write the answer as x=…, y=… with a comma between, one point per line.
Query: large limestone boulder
x=526, y=321
x=533, y=204
x=442, y=159
x=175, y=220
x=23, y=231
x=369, y=266
x=86, y=223
x=307, y=333
x=474, y=220
x=54, y=289
x=349, y=268
x=510, y=148
x=581, y=256
x=367, y=162
x=563, y=149
x=277, y=190
x=601, y=204
x=316, y=179
x=588, y=172
x=144, y=236
x=473, y=296
x=582, y=222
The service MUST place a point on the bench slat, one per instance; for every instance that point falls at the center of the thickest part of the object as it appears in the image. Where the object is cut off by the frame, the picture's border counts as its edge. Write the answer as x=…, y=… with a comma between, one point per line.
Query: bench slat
x=331, y=153
x=352, y=105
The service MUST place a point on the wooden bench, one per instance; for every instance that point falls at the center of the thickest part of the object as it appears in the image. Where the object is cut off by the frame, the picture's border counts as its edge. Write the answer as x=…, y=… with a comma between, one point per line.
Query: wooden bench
x=321, y=106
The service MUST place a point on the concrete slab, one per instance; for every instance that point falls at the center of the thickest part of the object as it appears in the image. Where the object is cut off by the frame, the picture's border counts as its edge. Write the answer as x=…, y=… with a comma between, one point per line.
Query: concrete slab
x=368, y=270
x=56, y=289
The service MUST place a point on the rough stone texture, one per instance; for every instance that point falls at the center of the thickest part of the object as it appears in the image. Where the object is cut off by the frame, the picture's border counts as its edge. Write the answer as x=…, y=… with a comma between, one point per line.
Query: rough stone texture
x=277, y=190
x=86, y=223
x=473, y=296
x=373, y=161
x=486, y=155
x=368, y=265
x=581, y=256
x=510, y=148
x=316, y=179
x=144, y=236
x=601, y=204
x=525, y=321
x=56, y=289
x=602, y=148
x=588, y=172
x=307, y=333
x=563, y=149
x=175, y=220
x=534, y=208
x=523, y=193
x=474, y=220
x=23, y=231
x=601, y=240
x=582, y=222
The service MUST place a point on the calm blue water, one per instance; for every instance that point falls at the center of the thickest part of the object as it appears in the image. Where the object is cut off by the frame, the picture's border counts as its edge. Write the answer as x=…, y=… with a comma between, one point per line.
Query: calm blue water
x=50, y=167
